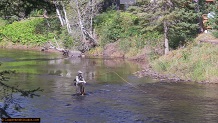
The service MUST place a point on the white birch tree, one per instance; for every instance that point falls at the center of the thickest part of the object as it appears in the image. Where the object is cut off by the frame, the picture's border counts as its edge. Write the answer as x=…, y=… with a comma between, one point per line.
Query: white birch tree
x=77, y=16
x=80, y=22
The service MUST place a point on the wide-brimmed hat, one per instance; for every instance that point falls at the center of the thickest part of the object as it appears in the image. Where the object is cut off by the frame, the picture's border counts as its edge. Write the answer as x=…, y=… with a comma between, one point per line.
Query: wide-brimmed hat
x=80, y=72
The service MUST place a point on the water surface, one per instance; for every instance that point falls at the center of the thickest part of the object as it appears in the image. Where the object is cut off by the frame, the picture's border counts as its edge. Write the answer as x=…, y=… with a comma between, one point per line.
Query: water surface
x=109, y=99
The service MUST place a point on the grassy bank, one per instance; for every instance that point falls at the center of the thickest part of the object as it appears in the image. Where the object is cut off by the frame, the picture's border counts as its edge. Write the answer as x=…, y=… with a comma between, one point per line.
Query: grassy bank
x=23, y=32
x=33, y=31
x=198, y=62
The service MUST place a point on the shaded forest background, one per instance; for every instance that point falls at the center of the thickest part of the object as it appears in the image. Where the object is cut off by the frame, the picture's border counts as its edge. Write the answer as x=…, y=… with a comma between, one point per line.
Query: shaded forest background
x=68, y=22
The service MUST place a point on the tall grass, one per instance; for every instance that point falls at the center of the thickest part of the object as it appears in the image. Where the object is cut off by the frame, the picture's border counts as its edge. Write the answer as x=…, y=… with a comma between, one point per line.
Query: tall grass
x=198, y=62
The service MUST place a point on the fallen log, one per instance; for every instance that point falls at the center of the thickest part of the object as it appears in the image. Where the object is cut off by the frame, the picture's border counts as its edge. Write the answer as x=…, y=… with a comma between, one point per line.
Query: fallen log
x=65, y=52
x=214, y=41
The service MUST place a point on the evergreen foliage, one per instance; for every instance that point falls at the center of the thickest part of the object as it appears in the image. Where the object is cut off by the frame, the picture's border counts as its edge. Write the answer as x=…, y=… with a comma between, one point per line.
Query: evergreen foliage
x=14, y=10
x=142, y=24
x=180, y=17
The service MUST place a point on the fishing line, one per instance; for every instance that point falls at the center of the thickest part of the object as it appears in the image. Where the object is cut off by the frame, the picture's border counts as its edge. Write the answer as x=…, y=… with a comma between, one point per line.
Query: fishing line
x=128, y=82
x=123, y=80
x=100, y=75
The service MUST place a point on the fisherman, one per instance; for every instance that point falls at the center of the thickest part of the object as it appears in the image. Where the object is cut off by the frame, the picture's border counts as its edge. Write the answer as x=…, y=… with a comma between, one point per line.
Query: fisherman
x=79, y=82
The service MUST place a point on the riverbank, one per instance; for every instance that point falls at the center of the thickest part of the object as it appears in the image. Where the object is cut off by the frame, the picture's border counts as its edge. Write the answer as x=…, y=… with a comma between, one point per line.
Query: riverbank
x=197, y=62
x=139, y=100
x=142, y=58
x=10, y=45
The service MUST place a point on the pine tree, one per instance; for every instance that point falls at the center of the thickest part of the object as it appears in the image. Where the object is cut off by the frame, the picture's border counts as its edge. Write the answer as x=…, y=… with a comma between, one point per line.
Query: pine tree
x=177, y=19
x=20, y=9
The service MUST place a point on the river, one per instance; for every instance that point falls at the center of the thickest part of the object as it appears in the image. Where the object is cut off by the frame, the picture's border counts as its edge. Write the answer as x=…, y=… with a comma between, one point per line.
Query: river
x=113, y=93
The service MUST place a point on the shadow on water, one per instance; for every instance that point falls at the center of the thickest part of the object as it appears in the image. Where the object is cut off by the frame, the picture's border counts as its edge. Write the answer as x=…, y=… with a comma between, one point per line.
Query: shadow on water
x=7, y=100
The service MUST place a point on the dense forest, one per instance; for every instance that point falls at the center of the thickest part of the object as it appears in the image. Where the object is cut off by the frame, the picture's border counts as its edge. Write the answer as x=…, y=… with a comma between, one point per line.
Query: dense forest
x=150, y=27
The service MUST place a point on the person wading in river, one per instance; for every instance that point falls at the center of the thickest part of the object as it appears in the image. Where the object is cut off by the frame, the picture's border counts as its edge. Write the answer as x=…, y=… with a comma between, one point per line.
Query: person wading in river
x=79, y=82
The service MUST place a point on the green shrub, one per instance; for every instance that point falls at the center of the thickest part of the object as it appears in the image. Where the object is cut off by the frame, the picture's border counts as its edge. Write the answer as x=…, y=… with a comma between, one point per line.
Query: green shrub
x=215, y=33
x=113, y=25
x=66, y=39
x=126, y=28
x=124, y=44
x=24, y=32
x=154, y=38
x=49, y=25
x=55, y=30
x=3, y=22
x=35, y=30
x=36, y=12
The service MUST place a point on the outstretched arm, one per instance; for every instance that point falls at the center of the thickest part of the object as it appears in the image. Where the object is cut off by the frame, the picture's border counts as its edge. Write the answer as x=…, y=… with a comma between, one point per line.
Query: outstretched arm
x=78, y=81
x=84, y=80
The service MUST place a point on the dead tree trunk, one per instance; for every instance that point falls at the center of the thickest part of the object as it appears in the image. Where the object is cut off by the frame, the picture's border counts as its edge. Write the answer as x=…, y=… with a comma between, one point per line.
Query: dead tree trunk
x=59, y=13
x=66, y=19
x=79, y=18
x=91, y=21
x=86, y=35
x=166, y=41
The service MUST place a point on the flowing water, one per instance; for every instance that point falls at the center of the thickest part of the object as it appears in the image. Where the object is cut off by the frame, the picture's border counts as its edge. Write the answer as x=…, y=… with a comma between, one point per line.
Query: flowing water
x=113, y=93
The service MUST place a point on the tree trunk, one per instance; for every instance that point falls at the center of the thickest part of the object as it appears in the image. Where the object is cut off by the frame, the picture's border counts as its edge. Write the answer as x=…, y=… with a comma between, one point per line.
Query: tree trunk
x=91, y=24
x=85, y=33
x=79, y=17
x=66, y=19
x=166, y=41
x=59, y=14
x=200, y=20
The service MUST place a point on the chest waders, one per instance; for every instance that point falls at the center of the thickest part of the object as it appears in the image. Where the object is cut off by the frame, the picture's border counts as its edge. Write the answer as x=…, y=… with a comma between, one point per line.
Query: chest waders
x=81, y=86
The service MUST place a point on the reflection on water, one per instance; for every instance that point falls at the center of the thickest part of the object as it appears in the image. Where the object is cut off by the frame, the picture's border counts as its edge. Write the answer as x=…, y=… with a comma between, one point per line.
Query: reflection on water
x=109, y=98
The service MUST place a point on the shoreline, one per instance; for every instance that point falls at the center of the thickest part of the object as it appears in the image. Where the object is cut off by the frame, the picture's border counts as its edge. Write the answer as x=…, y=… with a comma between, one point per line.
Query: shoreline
x=9, y=45
x=146, y=71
